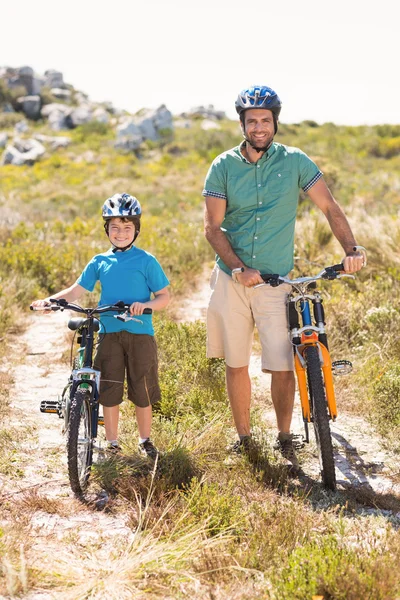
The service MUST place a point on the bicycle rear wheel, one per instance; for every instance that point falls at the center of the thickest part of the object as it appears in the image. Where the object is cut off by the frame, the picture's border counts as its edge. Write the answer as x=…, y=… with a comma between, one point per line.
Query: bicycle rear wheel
x=79, y=442
x=320, y=417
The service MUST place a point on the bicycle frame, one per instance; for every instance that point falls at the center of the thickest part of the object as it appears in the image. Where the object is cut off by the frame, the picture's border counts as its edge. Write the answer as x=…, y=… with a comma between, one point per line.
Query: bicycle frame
x=305, y=335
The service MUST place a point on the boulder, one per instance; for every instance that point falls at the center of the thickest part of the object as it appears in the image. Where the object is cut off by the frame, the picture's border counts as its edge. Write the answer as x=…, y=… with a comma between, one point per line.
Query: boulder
x=22, y=152
x=3, y=139
x=129, y=135
x=21, y=127
x=205, y=112
x=55, y=142
x=101, y=115
x=80, y=115
x=30, y=106
x=61, y=94
x=57, y=115
x=53, y=79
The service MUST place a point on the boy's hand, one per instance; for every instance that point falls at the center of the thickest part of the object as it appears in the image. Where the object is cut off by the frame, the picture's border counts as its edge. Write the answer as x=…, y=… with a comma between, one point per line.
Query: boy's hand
x=41, y=304
x=137, y=308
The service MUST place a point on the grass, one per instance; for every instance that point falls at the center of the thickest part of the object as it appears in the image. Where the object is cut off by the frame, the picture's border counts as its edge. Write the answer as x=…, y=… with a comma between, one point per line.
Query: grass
x=198, y=525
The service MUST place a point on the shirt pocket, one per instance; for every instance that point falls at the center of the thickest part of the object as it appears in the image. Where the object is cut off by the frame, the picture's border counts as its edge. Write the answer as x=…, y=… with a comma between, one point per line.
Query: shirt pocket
x=279, y=182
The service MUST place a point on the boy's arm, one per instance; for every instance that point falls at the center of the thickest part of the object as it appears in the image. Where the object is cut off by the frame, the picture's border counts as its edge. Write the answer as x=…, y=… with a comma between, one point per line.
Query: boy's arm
x=160, y=301
x=70, y=294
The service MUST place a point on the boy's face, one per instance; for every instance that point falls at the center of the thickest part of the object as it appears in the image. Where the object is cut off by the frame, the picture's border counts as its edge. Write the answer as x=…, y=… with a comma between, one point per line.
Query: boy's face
x=121, y=233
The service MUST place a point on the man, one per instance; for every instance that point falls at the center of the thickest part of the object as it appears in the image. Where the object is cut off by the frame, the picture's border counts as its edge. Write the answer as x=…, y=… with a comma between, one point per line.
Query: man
x=251, y=195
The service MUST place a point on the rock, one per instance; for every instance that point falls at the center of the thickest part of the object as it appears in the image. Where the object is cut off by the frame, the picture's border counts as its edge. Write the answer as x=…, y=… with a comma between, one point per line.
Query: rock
x=129, y=135
x=205, y=112
x=54, y=79
x=80, y=115
x=54, y=141
x=22, y=152
x=61, y=93
x=163, y=118
x=101, y=115
x=30, y=106
x=3, y=139
x=183, y=123
x=147, y=128
x=57, y=115
x=208, y=124
x=21, y=127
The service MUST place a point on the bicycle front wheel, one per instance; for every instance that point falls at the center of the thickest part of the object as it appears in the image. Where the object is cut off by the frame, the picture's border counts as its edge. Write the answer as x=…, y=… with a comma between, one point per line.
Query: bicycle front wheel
x=320, y=416
x=79, y=442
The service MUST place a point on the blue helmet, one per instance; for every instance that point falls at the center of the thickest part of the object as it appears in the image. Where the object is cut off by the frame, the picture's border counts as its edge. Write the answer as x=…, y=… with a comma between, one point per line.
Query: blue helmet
x=121, y=205
x=258, y=96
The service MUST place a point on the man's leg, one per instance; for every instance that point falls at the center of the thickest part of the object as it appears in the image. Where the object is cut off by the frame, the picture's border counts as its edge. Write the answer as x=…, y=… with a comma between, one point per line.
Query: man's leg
x=239, y=393
x=282, y=392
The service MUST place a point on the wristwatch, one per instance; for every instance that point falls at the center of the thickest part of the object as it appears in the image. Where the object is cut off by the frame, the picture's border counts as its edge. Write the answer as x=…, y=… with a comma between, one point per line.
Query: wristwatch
x=235, y=273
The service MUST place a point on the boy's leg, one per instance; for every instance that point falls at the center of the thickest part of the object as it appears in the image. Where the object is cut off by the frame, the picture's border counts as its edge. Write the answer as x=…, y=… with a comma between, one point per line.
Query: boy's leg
x=144, y=419
x=110, y=361
x=111, y=419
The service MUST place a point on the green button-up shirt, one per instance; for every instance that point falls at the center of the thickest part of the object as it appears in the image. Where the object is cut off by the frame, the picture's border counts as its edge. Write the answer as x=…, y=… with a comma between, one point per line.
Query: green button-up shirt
x=261, y=203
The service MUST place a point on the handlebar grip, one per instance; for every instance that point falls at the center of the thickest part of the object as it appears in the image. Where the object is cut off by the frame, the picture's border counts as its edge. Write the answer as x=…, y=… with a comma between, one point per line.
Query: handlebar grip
x=338, y=268
x=272, y=279
x=147, y=311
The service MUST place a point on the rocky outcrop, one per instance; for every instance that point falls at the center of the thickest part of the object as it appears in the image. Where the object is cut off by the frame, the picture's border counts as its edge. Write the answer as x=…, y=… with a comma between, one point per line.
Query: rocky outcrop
x=149, y=124
x=22, y=152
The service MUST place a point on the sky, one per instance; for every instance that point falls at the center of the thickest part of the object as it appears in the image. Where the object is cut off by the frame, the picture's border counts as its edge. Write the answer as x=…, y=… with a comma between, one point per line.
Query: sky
x=329, y=61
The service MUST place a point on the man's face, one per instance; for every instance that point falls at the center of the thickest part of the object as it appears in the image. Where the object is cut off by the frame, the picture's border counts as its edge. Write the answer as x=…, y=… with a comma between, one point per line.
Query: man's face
x=259, y=128
x=121, y=233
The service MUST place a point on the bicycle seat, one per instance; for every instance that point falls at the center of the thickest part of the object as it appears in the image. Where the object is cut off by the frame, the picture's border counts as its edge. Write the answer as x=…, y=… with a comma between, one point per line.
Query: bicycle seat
x=78, y=322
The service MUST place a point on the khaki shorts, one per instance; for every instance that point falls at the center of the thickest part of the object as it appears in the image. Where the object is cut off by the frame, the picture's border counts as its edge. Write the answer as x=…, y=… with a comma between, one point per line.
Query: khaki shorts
x=232, y=313
x=135, y=354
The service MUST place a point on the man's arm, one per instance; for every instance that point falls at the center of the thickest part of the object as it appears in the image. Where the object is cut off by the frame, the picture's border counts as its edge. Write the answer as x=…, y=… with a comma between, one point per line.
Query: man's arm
x=322, y=197
x=214, y=213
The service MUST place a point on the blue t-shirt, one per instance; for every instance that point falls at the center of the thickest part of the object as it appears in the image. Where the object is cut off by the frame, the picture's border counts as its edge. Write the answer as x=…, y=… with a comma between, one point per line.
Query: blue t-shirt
x=130, y=276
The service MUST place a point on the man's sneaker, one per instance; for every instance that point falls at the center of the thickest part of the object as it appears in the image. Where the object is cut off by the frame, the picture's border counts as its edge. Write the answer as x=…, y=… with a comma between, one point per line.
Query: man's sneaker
x=284, y=443
x=242, y=446
x=148, y=449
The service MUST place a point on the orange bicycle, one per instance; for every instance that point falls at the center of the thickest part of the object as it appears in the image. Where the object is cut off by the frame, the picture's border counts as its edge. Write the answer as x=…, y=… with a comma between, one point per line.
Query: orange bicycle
x=313, y=365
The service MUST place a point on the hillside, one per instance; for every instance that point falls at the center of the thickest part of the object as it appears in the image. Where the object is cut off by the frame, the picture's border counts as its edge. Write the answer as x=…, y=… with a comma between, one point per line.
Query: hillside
x=196, y=528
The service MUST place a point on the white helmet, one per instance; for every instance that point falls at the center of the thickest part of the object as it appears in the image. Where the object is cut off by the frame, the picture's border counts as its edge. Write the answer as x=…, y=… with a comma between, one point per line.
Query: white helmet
x=121, y=205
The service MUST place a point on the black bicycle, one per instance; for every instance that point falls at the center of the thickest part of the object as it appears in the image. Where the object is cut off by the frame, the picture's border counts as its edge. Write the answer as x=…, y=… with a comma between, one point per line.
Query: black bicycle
x=79, y=401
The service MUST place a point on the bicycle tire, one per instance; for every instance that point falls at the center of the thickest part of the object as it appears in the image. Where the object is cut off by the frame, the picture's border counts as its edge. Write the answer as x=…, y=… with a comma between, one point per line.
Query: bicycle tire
x=79, y=442
x=320, y=417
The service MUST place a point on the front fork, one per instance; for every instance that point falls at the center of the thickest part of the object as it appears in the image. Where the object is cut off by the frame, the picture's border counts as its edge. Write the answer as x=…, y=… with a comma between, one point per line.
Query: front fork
x=301, y=339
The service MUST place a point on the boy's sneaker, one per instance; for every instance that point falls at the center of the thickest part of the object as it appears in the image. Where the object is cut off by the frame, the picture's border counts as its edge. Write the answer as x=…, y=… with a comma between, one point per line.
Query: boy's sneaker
x=113, y=448
x=242, y=446
x=284, y=443
x=148, y=449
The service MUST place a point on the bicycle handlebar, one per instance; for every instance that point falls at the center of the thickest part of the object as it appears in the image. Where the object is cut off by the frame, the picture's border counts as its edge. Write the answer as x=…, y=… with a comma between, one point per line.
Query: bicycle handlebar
x=62, y=304
x=328, y=273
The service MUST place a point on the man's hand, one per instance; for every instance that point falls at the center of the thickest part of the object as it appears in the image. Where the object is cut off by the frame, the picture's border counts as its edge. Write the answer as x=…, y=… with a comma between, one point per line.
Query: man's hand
x=249, y=277
x=353, y=262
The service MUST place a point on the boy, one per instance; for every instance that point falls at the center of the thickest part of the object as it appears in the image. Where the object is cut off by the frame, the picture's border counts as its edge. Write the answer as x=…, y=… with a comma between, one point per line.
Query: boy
x=129, y=274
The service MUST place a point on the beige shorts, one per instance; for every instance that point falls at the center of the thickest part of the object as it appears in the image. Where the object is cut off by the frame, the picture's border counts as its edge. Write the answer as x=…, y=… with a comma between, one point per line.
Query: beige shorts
x=232, y=313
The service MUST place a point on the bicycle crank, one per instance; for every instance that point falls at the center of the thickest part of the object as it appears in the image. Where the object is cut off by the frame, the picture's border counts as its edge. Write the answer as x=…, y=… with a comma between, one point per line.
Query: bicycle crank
x=342, y=367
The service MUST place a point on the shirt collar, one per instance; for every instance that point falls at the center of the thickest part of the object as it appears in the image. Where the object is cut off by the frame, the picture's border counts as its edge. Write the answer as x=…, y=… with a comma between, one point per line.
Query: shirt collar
x=271, y=150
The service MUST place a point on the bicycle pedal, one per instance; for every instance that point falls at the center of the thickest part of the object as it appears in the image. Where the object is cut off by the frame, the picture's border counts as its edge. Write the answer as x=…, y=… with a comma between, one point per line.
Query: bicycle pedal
x=49, y=406
x=342, y=367
x=100, y=420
